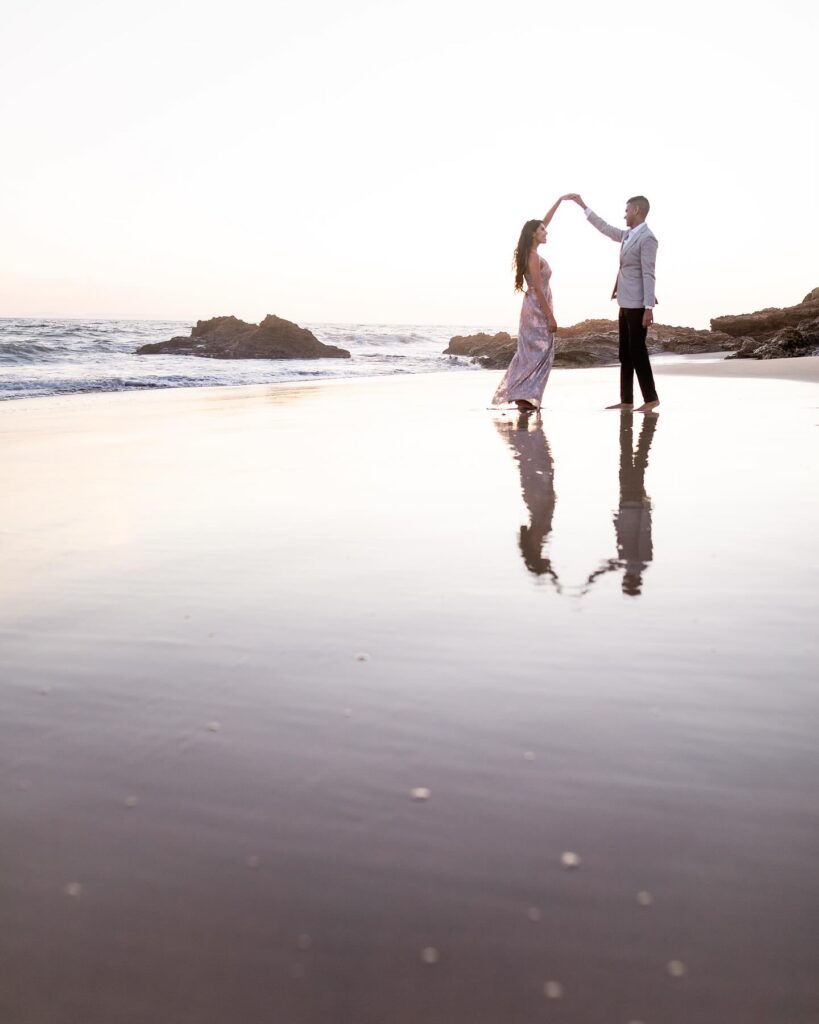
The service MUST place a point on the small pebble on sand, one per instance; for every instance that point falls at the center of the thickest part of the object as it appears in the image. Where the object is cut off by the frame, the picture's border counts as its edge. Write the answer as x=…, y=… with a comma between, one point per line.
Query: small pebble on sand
x=131, y=801
x=553, y=990
x=529, y=755
x=361, y=656
x=45, y=691
x=253, y=861
x=534, y=914
x=73, y=889
x=570, y=860
x=304, y=941
x=644, y=898
x=420, y=793
x=214, y=726
x=676, y=968
x=429, y=955
x=348, y=712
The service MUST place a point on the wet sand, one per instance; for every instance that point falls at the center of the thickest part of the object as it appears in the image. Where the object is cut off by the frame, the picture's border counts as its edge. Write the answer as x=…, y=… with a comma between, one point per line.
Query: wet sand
x=803, y=368
x=239, y=626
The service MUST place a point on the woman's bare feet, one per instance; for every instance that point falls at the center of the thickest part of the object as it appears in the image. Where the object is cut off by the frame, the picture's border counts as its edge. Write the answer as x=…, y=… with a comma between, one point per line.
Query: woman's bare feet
x=524, y=406
x=621, y=405
x=649, y=406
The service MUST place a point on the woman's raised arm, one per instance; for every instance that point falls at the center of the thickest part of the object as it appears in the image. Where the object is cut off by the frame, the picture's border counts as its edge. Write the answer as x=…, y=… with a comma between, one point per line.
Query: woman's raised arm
x=548, y=218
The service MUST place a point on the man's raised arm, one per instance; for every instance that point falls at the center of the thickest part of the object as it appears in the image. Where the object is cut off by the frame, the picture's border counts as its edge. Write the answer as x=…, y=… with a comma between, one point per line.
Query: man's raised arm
x=615, y=234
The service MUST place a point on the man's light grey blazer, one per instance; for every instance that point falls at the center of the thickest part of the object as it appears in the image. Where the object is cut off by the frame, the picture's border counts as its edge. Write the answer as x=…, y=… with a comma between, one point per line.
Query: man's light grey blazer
x=634, y=288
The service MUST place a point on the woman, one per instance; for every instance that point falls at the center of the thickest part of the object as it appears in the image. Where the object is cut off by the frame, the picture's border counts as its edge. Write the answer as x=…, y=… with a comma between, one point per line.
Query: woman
x=529, y=370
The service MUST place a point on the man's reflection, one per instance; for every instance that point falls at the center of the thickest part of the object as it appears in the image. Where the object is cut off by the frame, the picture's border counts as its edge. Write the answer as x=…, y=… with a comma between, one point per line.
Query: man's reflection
x=632, y=520
x=531, y=450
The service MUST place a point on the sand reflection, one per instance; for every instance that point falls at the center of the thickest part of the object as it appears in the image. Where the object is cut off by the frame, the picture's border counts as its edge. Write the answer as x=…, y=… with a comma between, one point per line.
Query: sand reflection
x=527, y=440
x=632, y=520
x=632, y=517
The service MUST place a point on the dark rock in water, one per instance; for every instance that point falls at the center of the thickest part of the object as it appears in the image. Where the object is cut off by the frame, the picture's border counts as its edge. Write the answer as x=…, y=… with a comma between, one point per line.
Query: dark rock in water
x=590, y=343
x=494, y=351
x=226, y=337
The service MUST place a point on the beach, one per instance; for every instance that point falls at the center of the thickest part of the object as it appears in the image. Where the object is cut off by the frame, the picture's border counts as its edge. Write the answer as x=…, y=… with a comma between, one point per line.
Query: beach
x=357, y=701
x=805, y=369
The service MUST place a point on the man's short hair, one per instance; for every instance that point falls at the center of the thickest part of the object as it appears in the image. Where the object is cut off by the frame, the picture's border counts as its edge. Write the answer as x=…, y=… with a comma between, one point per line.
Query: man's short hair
x=642, y=204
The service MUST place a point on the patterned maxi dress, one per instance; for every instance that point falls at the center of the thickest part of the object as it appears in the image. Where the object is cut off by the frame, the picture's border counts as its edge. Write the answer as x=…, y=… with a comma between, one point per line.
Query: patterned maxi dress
x=532, y=363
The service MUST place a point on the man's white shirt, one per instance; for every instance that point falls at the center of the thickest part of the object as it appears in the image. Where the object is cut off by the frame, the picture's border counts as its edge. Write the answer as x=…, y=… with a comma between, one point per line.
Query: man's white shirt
x=633, y=232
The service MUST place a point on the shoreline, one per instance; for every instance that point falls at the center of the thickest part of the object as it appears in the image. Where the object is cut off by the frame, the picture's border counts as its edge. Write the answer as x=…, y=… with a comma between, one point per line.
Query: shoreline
x=802, y=368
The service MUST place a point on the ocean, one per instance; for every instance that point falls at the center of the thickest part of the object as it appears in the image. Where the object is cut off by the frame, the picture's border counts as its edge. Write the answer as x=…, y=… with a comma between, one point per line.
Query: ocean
x=58, y=357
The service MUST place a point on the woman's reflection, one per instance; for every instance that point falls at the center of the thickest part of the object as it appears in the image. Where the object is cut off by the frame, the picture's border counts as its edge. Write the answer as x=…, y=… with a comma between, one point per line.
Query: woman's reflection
x=632, y=520
x=531, y=450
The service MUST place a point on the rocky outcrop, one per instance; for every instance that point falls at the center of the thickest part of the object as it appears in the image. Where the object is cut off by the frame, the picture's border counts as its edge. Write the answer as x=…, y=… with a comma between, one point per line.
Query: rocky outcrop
x=766, y=334
x=494, y=351
x=765, y=322
x=801, y=340
x=775, y=333
x=226, y=337
x=590, y=343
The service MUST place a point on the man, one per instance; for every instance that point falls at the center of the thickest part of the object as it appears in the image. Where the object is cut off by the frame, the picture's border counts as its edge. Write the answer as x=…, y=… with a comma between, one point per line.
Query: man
x=634, y=291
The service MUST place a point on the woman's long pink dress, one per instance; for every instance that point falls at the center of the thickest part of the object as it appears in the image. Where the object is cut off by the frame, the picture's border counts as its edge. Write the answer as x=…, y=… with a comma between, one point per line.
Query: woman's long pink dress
x=532, y=363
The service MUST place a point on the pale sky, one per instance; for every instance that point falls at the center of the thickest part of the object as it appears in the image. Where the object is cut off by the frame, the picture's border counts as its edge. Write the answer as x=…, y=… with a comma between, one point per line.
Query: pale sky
x=374, y=162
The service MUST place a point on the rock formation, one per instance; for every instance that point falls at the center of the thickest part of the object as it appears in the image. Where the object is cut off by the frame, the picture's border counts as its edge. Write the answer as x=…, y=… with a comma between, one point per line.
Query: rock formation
x=775, y=333
x=226, y=337
x=767, y=334
x=494, y=351
x=766, y=321
x=590, y=343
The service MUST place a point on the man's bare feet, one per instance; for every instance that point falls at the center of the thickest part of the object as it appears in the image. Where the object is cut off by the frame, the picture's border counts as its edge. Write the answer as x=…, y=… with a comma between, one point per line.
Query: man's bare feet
x=649, y=406
x=524, y=406
x=621, y=405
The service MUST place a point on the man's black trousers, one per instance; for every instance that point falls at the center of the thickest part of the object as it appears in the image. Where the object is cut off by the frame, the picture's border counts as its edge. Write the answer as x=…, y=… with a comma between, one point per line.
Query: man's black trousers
x=634, y=357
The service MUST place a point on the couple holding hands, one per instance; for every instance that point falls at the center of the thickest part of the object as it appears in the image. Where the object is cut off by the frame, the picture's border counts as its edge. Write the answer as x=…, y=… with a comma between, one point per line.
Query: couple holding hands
x=525, y=380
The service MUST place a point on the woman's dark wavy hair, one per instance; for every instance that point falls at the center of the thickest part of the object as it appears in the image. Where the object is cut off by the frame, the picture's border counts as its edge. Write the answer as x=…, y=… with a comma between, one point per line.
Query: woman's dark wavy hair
x=522, y=251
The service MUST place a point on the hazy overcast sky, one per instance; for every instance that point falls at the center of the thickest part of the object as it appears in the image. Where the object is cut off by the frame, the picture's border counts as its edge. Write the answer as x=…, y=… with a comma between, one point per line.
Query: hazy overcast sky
x=374, y=162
